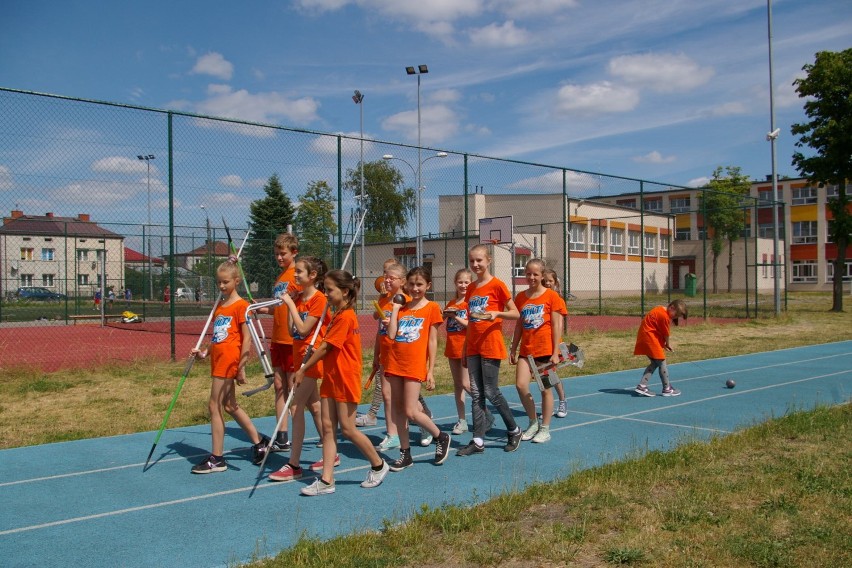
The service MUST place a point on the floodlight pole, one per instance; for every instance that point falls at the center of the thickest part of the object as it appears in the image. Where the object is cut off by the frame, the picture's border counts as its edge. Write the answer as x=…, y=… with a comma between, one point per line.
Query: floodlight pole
x=358, y=97
x=420, y=70
x=772, y=136
x=147, y=158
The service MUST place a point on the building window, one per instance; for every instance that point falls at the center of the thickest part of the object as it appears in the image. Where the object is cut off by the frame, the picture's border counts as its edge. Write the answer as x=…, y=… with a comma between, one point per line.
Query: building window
x=679, y=205
x=831, y=191
x=702, y=233
x=598, y=239
x=804, y=232
x=829, y=271
x=766, y=231
x=47, y=280
x=26, y=280
x=26, y=253
x=664, y=246
x=47, y=254
x=83, y=279
x=804, y=271
x=746, y=232
x=654, y=205
x=804, y=196
x=650, y=244
x=764, y=198
x=82, y=255
x=626, y=203
x=683, y=234
x=521, y=261
x=616, y=241
x=634, y=245
x=578, y=237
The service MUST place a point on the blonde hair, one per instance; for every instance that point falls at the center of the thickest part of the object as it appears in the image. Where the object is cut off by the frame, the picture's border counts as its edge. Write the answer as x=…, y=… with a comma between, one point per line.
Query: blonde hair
x=482, y=247
x=461, y=271
x=396, y=268
x=680, y=308
x=287, y=241
x=230, y=266
x=535, y=262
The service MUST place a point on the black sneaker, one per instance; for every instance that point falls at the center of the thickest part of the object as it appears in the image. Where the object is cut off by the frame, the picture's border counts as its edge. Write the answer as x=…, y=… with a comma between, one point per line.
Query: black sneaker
x=403, y=462
x=211, y=465
x=280, y=445
x=470, y=449
x=258, y=451
x=514, y=441
x=442, y=448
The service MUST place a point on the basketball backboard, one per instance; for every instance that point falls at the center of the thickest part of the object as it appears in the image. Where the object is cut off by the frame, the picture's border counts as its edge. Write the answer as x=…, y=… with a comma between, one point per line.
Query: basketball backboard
x=496, y=230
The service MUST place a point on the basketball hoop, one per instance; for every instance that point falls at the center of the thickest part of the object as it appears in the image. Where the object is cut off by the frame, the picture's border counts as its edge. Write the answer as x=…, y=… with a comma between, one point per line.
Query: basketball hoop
x=495, y=241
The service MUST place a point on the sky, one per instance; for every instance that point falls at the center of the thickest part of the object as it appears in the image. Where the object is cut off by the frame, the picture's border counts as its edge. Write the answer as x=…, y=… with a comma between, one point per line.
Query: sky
x=659, y=90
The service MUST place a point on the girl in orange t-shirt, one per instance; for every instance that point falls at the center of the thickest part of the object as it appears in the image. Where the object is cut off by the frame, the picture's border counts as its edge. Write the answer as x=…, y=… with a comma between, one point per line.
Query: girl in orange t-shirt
x=538, y=333
x=488, y=303
x=653, y=340
x=306, y=315
x=455, y=314
x=229, y=351
x=340, y=391
x=551, y=280
x=410, y=361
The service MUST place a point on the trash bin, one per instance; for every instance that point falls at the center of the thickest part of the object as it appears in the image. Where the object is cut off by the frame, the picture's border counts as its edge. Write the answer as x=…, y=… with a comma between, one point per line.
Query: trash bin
x=691, y=283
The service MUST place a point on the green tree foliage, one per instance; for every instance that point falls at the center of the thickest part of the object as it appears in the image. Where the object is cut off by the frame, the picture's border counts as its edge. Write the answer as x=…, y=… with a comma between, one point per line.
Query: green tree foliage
x=389, y=204
x=724, y=218
x=315, y=224
x=269, y=217
x=828, y=106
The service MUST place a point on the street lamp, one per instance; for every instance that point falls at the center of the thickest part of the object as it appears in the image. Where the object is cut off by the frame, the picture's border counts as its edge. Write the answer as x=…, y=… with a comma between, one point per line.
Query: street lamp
x=419, y=249
x=358, y=97
x=207, y=246
x=147, y=158
x=420, y=70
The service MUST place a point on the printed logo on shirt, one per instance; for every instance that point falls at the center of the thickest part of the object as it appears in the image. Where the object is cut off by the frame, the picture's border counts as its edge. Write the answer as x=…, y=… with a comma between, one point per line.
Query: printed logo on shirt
x=478, y=305
x=533, y=316
x=280, y=289
x=453, y=325
x=294, y=332
x=408, y=330
x=220, y=328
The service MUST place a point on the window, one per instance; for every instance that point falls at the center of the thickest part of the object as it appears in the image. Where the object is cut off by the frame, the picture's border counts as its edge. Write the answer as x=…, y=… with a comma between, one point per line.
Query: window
x=831, y=191
x=829, y=272
x=26, y=279
x=521, y=261
x=764, y=198
x=804, y=271
x=82, y=255
x=654, y=205
x=83, y=279
x=828, y=227
x=26, y=253
x=634, y=245
x=616, y=241
x=47, y=280
x=650, y=244
x=804, y=196
x=598, y=239
x=47, y=254
x=765, y=231
x=702, y=233
x=578, y=237
x=664, y=245
x=679, y=204
x=804, y=232
x=99, y=254
x=626, y=203
x=746, y=232
x=683, y=234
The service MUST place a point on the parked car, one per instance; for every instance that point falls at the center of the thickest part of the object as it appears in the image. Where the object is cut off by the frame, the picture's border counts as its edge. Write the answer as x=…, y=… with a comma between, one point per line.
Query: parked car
x=38, y=294
x=186, y=294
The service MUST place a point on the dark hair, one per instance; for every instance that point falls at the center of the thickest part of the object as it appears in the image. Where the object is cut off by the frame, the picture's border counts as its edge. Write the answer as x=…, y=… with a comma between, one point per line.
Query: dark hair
x=315, y=264
x=345, y=281
x=556, y=283
x=420, y=271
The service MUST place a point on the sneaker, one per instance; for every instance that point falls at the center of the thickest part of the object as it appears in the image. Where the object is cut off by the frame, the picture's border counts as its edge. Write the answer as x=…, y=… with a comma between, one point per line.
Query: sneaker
x=402, y=462
x=514, y=441
x=319, y=443
x=362, y=420
x=530, y=432
x=562, y=409
x=286, y=473
x=442, y=448
x=211, y=465
x=389, y=443
x=542, y=436
x=470, y=449
x=258, y=451
x=318, y=488
x=643, y=390
x=460, y=427
x=280, y=445
x=671, y=391
x=425, y=437
x=317, y=465
x=375, y=478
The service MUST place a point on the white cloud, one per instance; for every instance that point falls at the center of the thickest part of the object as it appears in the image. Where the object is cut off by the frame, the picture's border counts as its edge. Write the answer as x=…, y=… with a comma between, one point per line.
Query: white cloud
x=551, y=182
x=438, y=123
x=654, y=158
x=729, y=109
x=322, y=5
x=495, y=35
x=256, y=182
x=92, y=193
x=214, y=64
x=123, y=165
x=662, y=72
x=533, y=8
x=603, y=97
x=232, y=180
x=350, y=147
x=6, y=181
x=698, y=182
x=445, y=96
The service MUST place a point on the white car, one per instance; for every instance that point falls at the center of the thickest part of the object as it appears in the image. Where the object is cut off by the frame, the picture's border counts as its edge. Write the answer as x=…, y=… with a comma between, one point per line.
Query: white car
x=185, y=294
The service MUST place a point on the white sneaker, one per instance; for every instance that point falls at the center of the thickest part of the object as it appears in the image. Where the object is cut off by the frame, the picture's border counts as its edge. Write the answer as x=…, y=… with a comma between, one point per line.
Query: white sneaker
x=531, y=431
x=389, y=443
x=543, y=435
x=562, y=409
x=460, y=427
x=375, y=478
x=317, y=488
x=425, y=437
x=362, y=420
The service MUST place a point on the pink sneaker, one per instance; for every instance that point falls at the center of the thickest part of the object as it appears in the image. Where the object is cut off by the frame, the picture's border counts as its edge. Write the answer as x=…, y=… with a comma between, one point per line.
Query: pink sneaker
x=286, y=473
x=317, y=466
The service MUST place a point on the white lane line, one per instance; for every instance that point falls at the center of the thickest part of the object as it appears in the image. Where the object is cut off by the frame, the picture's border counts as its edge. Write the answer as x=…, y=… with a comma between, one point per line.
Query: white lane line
x=655, y=422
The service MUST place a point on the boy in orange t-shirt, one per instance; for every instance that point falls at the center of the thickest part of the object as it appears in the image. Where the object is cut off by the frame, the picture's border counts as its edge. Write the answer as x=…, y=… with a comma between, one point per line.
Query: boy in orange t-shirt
x=652, y=340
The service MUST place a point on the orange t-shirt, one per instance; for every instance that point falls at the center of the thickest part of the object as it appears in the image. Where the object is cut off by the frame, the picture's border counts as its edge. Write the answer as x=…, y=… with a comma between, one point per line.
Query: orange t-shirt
x=485, y=337
x=537, y=322
x=408, y=353
x=314, y=307
x=342, y=363
x=226, y=344
x=280, y=324
x=456, y=332
x=386, y=305
x=652, y=333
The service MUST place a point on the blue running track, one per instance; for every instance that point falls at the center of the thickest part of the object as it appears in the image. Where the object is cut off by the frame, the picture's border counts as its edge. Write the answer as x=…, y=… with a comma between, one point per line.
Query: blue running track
x=88, y=503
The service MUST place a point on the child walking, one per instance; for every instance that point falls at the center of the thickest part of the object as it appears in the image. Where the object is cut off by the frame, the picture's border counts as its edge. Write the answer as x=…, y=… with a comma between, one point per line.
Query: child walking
x=537, y=333
x=306, y=313
x=488, y=303
x=340, y=390
x=551, y=280
x=455, y=313
x=652, y=340
x=229, y=351
x=413, y=330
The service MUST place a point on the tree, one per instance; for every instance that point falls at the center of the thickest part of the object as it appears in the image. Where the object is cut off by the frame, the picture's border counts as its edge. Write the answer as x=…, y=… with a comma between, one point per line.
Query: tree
x=314, y=223
x=828, y=88
x=269, y=217
x=389, y=206
x=721, y=206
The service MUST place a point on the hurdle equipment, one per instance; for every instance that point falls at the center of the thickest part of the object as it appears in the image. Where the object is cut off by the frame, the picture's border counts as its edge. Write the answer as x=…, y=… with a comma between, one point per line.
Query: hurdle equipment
x=262, y=353
x=546, y=375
